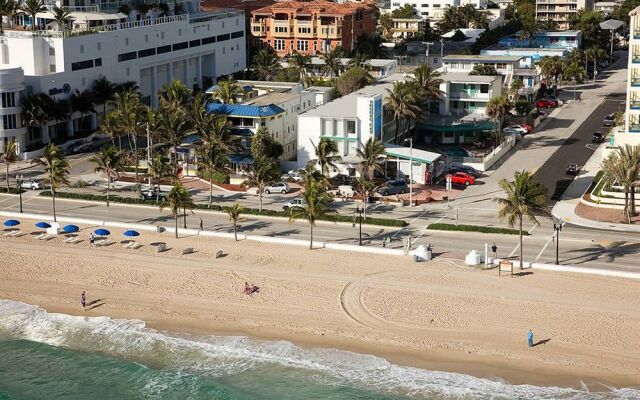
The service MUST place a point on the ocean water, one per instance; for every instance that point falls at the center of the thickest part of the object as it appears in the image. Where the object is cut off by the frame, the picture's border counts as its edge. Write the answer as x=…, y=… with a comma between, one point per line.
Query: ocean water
x=55, y=356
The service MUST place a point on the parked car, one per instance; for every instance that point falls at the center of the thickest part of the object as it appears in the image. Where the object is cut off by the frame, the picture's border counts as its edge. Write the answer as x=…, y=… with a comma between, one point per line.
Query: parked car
x=527, y=127
x=279, y=187
x=609, y=121
x=296, y=175
x=466, y=169
x=396, y=186
x=294, y=203
x=554, y=98
x=339, y=180
x=597, y=137
x=514, y=133
x=31, y=184
x=546, y=103
x=517, y=128
x=462, y=178
x=572, y=169
x=153, y=194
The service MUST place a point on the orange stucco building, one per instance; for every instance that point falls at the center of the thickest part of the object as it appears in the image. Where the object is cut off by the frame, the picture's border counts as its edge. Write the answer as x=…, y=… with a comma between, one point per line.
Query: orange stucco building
x=311, y=27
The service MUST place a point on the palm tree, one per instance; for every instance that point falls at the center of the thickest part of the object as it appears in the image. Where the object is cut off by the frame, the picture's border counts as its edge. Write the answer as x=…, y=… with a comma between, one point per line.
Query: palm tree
x=213, y=158
x=404, y=104
x=104, y=92
x=34, y=111
x=497, y=108
x=353, y=79
x=525, y=196
x=82, y=102
x=130, y=117
x=219, y=131
x=6, y=9
x=178, y=198
x=595, y=53
x=58, y=110
x=160, y=169
x=176, y=95
x=315, y=207
x=327, y=156
x=266, y=64
x=228, y=91
x=109, y=161
x=370, y=155
x=62, y=17
x=575, y=73
x=429, y=81
x=366, y=187
x=56, y=168
x=175, y=127
x=386, y=23
x=234, y=216
x=333, y=61
x=622, y=168
x=9, y=156
x=33, y=7
x=264, y=172
x=300, y=62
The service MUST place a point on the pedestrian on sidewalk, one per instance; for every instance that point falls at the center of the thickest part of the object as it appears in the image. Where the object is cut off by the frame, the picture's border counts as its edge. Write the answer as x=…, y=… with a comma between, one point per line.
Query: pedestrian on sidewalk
x=83, y=300
x=494, y=250
x=201, y=226
x=92, y=240
x=530, y=338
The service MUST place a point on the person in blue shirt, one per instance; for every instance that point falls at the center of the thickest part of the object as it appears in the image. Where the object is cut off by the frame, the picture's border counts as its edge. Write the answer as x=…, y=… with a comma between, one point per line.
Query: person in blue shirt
x=530, y=338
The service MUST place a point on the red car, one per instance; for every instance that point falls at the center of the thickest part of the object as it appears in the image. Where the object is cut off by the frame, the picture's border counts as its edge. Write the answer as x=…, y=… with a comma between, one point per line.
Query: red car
x=462, y=178
x=528, y=128
x=546, y=103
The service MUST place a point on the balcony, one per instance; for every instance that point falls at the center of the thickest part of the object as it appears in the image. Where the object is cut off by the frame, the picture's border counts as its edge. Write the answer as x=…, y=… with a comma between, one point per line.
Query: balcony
x=634, y=127
x=259, y=29
x=301, y=26
x=635, y=57
x=634, y=104
x=330, y=31
x=282, y=28
x=470, y=95
x=635, y=81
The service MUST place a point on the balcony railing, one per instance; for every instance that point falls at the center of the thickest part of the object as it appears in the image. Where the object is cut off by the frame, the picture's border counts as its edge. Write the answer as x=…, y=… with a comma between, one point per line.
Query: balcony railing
x=635, y=80
x=634, y=127
x=258, y=29
x=634, y=104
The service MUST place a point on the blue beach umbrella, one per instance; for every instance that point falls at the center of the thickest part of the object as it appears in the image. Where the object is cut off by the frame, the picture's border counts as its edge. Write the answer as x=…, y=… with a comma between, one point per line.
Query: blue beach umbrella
x=131, y=233
x=70, y=229
x=43, y=225
x=102, y=232
x=11, y=222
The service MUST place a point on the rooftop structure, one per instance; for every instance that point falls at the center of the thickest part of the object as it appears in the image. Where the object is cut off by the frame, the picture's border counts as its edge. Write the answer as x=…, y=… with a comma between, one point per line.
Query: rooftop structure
x=471, y=34
x=378, y=68
x=432, y=10
x=312, y=27
x=545, y=40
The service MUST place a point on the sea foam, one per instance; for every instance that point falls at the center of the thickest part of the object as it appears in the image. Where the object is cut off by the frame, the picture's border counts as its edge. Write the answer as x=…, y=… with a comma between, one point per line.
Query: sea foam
x=221, y=356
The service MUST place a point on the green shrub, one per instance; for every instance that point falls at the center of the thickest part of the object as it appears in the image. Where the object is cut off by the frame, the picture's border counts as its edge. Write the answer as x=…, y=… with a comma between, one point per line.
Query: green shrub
x=214, y=207
x=217, y=176
x=474, y=228
x=12, y=190
x=128, y=168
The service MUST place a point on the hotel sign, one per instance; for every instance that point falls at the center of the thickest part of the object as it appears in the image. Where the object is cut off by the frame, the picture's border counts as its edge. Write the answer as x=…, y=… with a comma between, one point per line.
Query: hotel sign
x=66, y=89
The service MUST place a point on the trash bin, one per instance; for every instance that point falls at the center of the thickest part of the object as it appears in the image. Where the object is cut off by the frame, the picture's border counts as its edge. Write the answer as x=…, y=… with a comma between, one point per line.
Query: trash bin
x=159, y=229
x=416, y=258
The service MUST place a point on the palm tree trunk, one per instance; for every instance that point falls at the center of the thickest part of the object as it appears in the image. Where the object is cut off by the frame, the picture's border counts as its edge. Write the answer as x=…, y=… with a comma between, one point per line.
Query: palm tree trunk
x=521, y=261
x=311, y=238
x=626, y=205
x=175, y=159
x=235, y=230
x=184, y=215
x=364, y=207
x=395, y=139
x=632, y=201
x=594, y=71
x=260, y=198
x=6, y=175
x=210, y=191
x=135, y=155
x=176, y=218
x=108, y=187
x=53, y=197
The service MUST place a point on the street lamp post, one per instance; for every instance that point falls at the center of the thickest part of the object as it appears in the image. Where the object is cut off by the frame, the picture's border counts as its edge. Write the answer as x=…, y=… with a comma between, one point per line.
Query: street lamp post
x=19, y=180
x=410, y=140
x=148, y=154
x=359, y=212
x=557, y=228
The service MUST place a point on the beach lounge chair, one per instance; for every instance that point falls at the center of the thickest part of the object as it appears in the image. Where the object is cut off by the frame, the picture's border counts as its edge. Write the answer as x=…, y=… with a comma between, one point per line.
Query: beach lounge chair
x=68, y=239
x=74, y=240
x=46, y=236
x=161, y=247
x=187, y=250
x=41, y=235
x=16, y=233
x=135, y=246
x=104, y=242
x=7, y=233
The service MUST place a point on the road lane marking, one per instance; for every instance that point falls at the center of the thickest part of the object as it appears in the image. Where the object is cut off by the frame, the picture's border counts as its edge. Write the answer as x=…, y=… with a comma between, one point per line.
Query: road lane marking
x=544, y=248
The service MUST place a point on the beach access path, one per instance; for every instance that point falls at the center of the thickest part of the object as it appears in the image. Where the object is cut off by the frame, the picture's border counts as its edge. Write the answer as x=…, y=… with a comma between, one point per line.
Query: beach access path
x=437, y=315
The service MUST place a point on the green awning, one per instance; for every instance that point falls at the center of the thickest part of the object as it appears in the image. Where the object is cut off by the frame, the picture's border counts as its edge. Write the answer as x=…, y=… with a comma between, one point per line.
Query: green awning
x=480, y=126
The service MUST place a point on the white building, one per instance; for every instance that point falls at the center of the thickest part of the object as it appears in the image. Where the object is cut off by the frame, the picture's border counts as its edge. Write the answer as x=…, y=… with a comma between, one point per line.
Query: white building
x=433, y=10
x=378, y=67
x=351, y=121
x=192, y=48
x=467, y=94
x=11, y=90
x=631, y=133
x=510, y=67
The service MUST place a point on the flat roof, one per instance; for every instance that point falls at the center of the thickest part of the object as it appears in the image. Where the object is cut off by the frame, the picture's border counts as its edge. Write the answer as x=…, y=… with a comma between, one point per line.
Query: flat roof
x=532, y=50
x=405, y=153
x=375, y=62
x=345, y=106
x=485, y=58
x=320, y=88
x=272, y=98
x=463, y=77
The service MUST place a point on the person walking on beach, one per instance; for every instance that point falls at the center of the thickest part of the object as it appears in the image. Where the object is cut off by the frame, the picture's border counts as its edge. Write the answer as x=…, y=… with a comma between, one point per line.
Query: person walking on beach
x=92, y=240
x=201, y=226
x=494, y=250
x=530, y=338
x=83, y=301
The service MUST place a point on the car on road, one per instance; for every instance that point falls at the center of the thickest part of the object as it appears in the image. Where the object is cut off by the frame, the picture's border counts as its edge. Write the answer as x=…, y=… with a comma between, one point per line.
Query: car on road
x=31, y=184
x=294, y=203
x=279, y=187
x=546, y=103
x=296, y=175
x=597, y=137
x=609, y=121
x=572, y=169
x=461, y=178
x=517, y=128
x=514, y=133
x=466, y=169
x=153, y=193
x=396, y=186
x=339, y=180
x=554, y=98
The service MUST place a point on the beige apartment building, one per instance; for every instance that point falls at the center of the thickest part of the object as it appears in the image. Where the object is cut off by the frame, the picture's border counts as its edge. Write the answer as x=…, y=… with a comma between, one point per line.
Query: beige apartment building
x=560, y=10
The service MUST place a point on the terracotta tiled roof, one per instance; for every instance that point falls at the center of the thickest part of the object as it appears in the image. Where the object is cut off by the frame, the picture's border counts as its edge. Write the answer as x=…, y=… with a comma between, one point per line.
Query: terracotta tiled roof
x=320, y=7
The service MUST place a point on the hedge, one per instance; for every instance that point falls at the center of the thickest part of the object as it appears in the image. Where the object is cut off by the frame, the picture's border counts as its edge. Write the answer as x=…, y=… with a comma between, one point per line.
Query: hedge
x=128, y=168
x=215, y=207
x=475, y=228
x=12, y=190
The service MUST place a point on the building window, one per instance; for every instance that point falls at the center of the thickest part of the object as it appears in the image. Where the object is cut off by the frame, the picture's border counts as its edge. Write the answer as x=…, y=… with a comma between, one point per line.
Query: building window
x=127, y=56
x=52, y=68
x=180, y=46
x=281, y=29
x=501, y=66
x=304, y=30
x=163, y=49
x=81, y=49
x=8, y=100
x=81, y=65
x=303, y=45
x=278, y=44
x=351, y=127
x=147, y=52
x=126, y=41
x=99, y=46
x=484, y=88
x=194, y=43
x=9, y=121
x=222, y=38
x=237, y=34
x=146, y=38
x=209, y=40
x=97, y=62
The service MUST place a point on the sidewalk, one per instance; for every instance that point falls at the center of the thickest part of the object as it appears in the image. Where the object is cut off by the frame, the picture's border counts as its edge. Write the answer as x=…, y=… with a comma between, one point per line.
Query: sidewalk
x=565, y=209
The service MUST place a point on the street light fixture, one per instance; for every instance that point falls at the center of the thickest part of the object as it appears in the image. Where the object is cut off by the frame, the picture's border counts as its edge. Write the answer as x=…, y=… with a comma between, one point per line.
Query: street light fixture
x=359, y=212
x=557, y=228
x=410, y=140
x=19, y=180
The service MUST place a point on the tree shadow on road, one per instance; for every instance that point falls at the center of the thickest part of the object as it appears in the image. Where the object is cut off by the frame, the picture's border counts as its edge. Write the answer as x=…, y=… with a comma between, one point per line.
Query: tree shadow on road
x=609, y=252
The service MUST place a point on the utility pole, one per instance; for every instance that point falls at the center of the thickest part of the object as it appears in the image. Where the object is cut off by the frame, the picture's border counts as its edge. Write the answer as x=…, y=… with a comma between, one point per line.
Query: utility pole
x=410, y=140
x=148, y=154
x=557, y=228
x=359, y=212
x=19, y=180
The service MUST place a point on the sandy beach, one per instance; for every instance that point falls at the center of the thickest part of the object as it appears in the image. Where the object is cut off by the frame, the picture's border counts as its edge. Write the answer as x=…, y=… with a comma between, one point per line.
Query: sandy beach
x=438, y=316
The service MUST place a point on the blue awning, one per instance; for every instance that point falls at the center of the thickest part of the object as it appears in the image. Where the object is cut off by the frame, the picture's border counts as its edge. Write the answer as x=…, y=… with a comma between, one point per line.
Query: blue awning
x=244, y=110
x=241, y=159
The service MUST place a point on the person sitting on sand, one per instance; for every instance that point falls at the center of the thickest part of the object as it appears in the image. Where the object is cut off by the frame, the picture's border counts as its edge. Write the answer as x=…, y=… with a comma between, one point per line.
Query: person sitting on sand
x=247, y=288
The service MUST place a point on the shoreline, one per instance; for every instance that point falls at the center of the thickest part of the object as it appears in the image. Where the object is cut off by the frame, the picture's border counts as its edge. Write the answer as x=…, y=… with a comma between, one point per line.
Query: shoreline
x=435, y=316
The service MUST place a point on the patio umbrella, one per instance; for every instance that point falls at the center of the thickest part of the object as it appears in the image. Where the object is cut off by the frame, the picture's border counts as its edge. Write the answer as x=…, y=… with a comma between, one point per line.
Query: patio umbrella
x=43, y=225
x=11, y=222
x=70, y=229
x=102, y=232
x=131, y=233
